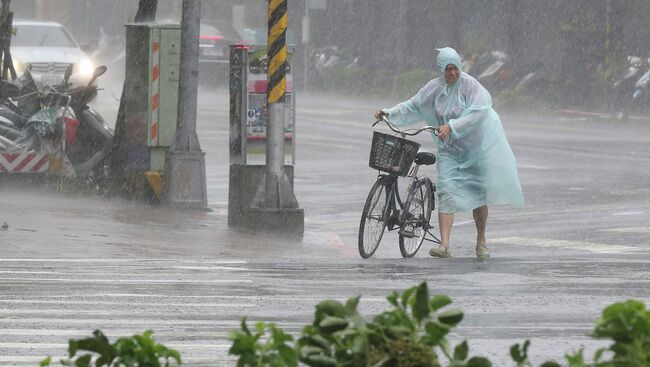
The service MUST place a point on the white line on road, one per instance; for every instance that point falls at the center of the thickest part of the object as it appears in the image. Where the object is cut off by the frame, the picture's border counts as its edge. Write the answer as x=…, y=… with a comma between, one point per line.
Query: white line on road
x=628, y=213
x=108, y=303
x=62, y=260
x=32, y=345
x=110, y=333
x=120, y=320
x=110, y=311
x=568, y=245
x=644, y=230
x=124, y=281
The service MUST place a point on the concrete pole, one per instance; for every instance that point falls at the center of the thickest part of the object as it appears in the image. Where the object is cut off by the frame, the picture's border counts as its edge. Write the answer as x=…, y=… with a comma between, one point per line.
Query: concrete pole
x=279, y=193
x=186, y=138
x=184, y=178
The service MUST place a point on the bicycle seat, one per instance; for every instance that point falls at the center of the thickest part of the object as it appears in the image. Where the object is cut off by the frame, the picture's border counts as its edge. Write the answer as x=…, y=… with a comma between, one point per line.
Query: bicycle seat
x=425, y=158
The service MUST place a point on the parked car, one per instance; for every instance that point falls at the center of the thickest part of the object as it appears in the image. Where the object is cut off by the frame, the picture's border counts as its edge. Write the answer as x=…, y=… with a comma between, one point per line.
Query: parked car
x=46, y=49
x=214, y=51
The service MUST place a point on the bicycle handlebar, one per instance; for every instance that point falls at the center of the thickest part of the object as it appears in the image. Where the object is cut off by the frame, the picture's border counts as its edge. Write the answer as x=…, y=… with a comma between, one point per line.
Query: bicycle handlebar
x=409, y=132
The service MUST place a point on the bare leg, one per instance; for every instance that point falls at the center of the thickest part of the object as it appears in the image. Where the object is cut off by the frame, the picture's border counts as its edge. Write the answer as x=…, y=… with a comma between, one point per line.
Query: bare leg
x=480, y=219
x=446, y=221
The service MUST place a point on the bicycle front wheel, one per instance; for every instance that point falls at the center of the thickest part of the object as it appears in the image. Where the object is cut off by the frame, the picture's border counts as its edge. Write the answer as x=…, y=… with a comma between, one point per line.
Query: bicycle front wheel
x=373, y=219
x=415, y=228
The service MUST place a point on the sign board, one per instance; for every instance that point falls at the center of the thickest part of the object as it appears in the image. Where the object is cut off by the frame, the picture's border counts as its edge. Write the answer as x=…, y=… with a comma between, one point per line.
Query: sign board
x=248, y=107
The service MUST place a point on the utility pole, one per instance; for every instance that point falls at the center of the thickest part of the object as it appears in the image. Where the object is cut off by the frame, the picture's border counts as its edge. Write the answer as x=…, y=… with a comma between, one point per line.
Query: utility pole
x=184, y=177
x=276, y=90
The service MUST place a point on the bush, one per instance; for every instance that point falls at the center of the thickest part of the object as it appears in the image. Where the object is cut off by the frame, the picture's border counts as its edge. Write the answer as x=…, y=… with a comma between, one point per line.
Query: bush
x=413, y=334
x=135, y=351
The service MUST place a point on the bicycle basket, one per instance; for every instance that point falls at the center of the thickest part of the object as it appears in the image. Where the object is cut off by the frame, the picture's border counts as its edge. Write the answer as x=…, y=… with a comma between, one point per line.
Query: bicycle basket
x=392, y=154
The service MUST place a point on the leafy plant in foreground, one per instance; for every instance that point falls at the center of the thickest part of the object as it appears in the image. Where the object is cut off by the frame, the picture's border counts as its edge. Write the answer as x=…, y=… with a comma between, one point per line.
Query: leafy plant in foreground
x=135, y=351
x=253, y=353
x=407, y=335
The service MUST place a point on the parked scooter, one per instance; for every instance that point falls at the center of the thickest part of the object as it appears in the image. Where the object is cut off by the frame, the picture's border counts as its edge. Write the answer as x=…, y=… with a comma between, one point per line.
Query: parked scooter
x=641, y=95
x=30, y=118
x=493, y=69
x=628, y=88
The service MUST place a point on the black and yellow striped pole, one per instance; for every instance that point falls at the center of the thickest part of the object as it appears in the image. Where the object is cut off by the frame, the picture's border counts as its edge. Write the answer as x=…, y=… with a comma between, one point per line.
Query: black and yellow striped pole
x=277, y=55
x=278, y=190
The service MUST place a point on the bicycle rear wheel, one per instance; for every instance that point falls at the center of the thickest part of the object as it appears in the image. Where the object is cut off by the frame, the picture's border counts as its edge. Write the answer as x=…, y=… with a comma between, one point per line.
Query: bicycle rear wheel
x=373, y=219
x=417, y=222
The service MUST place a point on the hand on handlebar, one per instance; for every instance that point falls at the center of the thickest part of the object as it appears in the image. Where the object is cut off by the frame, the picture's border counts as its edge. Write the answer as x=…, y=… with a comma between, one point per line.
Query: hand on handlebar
x=444, y=131
x=379, y=114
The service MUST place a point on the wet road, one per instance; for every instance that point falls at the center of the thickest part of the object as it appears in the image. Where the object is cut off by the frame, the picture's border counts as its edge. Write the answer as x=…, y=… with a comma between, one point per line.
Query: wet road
x=71, y=265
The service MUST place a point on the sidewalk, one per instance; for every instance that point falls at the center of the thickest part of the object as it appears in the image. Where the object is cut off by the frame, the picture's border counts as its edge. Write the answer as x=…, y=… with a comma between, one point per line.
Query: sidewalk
x=44, y=224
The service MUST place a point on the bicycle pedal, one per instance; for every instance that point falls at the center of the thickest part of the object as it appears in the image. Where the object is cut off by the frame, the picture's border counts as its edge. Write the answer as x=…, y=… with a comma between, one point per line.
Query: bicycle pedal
x=407, y=234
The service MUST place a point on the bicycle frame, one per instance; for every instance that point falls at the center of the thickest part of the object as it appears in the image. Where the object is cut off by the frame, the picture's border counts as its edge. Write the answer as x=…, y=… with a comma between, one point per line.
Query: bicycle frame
x=395, y=209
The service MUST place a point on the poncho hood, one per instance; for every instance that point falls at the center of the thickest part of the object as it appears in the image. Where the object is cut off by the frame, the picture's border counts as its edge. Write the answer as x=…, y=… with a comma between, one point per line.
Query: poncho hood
x=446, y=56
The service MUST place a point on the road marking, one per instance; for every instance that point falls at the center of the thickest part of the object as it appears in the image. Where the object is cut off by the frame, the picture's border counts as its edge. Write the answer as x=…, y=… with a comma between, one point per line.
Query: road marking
x=564, y=244
x=111, y=310
x=628, y=213
x=32, y=345
x=125, y=281
x=643, y=230
x=110, y=333
x=533, y=166
x=114, y=260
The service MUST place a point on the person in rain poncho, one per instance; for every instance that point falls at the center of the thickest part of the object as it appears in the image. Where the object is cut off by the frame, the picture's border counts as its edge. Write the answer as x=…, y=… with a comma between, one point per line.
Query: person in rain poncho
x=475, y=166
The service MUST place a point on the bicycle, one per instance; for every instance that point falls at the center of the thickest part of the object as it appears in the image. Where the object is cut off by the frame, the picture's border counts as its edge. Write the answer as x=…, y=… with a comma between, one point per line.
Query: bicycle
x=393, y=157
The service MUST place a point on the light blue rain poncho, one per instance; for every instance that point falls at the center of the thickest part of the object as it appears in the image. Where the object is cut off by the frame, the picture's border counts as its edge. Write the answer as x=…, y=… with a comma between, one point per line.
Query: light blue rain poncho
x=475, y=163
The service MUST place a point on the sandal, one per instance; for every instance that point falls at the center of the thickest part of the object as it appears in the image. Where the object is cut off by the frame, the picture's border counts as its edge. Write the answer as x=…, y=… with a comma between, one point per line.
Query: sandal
x=441, y=252
x=482, y=251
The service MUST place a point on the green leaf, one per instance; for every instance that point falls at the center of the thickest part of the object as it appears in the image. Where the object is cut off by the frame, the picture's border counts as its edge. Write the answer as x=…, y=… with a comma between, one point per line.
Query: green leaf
x=319, y=360
x=332, y=324
x=307, y=350
x=435, y=332
x=244, y=327
x=406, y=296
x=599, y=354
x=358, y=344
x=331, y=308
x=351, y=305
x=461, y=351
x=317, y=341
x=288, y=356
x=398, y=331
x=421, y=308
x=439, y=301
x=83, y=361
x=451, y=317
x=446, y=349
x=392, y=298
x=45, y=362
x=516, y=355
x=479, y=362
x=72, y=348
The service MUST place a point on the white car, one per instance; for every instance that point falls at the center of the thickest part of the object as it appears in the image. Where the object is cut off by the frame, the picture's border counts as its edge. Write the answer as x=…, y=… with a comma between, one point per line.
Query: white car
x=46, y=49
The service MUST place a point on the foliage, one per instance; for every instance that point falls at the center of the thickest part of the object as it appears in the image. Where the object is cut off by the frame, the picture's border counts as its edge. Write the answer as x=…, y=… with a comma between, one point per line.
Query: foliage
x=626, y=323
x=253, y=353
x=135, y=351
x=412, y=333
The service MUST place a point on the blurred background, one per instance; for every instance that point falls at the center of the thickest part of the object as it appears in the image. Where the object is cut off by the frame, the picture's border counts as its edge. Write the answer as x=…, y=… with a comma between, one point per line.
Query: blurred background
x=545, y=52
